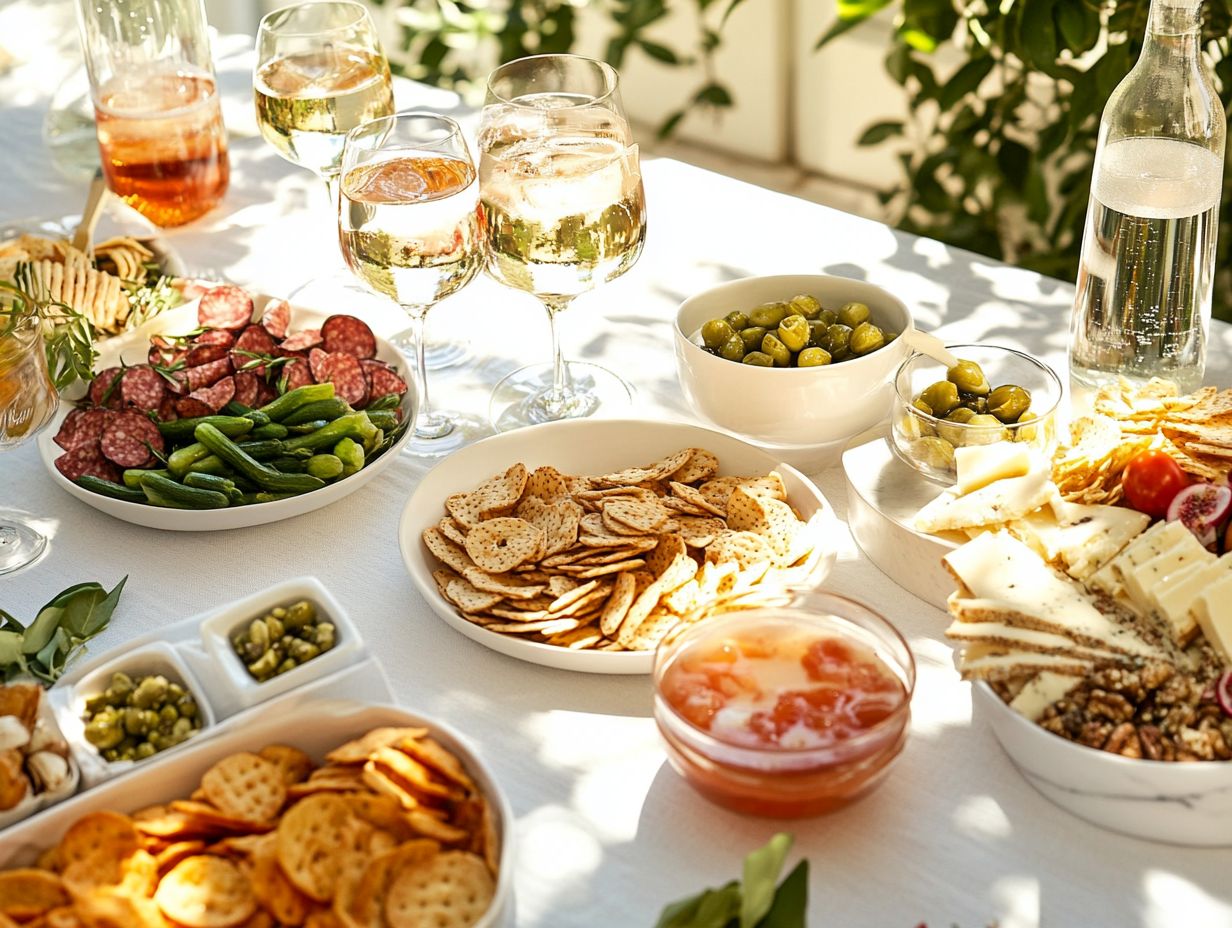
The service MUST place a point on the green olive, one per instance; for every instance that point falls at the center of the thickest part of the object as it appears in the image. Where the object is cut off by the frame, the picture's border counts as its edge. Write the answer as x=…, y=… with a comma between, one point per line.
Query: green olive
x=264, y=666
x=752, y=336
x=960, y=414
x=890, y=336
x=794, y=333
x=759, y=359
x=984, y=430
x=136, y=722
x=866, y=338
x=716, y=332
x=168, y=715
x=922, y=406
x=813, y=357
x=182, y=729
x=144, y=750
x=934, y=453
x=325, y=635
x=977, y=404
x=737, y=320
x=969, y=378
x=149, y=692
x=275, y=626
x=818, y=337
x=187, y=707
x=286, y=665
x=303, y=651
x=733, y=348
x=941, y=397
x=852, y=314
x=96, y=703
x=104, y=731
x=807, y=306
x=839, y=341
x=769, y=314
x=1008, y=403
x=828, y=316
x=778, y=352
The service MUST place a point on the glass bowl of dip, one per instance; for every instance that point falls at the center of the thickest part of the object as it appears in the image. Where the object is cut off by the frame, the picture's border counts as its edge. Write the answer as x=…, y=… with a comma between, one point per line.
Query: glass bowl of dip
x=789, y=708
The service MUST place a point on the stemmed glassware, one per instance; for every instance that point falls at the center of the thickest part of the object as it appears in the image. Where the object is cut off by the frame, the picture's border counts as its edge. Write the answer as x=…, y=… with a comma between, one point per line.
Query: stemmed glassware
x=320, y=72
x=28, y=402
x=411, y=229
x=562, y=193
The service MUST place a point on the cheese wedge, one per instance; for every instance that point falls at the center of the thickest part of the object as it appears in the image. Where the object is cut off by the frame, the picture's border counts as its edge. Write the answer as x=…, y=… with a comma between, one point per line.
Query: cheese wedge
x=1153, y=542
x=1003, y=501
x=1028, y=639
x=1139, y=579
x=1042, y=691
x=1213, y=611
x=985, y=662
x=980, y=465
x=1008, y=576
x=1174, y=598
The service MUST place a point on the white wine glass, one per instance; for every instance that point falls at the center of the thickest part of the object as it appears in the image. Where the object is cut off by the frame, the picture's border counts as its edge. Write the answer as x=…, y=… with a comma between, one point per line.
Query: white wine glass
x=320, y=72
x=411, y=229
x=562, y=193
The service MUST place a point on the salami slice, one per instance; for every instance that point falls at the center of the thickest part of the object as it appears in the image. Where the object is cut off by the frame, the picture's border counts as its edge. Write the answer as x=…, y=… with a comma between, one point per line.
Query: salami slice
x=81, y=427
x=217, y=396
x=318, y=360
x=348, y=335
x=105, y=390
x=246, y=387
x=166, y=412
x=87, y=461
x=206, y=374
x=143, y=387
x=301, y=341
x=205, y=354
x=225, y=308
x=382, y=381
x=265, y=393
x=195, y=288
x=277, y=318
x=128, y=438
x=215, y=337
x=347, y=376
x=297, y=374
x=253, y=341
x=189, y=407
x=157, y=356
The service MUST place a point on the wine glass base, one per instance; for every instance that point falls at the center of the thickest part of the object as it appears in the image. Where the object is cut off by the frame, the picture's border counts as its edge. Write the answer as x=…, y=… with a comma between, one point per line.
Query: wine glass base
x=525, y=397
x=20, y=544
x=466, y=430
x=437, y=355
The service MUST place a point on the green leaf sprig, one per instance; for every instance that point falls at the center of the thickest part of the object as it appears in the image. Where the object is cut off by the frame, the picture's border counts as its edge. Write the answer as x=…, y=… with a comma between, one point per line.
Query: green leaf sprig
x=44, y=648
x=67, y=335
x=754, y=901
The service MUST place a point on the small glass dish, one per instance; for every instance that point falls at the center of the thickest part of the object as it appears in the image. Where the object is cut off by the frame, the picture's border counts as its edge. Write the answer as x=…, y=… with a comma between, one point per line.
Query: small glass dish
x=792, y=706
x=926, y=442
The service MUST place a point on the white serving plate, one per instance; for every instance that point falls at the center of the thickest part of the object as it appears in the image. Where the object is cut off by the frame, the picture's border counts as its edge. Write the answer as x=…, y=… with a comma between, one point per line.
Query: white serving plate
x=133, y=348
x=578, y=446
x=314, y=726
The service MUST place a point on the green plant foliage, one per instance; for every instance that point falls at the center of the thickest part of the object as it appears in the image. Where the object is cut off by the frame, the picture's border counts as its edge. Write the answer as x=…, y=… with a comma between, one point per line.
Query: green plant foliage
x=997, y=155
x=453, y=43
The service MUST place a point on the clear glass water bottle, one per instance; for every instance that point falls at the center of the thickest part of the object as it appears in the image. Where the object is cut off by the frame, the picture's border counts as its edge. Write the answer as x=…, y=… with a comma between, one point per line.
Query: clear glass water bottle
x=1143, y=302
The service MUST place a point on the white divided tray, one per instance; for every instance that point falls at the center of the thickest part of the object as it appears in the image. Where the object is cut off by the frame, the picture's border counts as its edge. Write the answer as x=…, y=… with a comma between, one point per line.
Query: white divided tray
x=306, y=721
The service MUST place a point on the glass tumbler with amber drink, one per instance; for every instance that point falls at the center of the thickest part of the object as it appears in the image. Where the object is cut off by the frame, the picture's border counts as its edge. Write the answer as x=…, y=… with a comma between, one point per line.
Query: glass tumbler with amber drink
x=156, y=105
x=790, y=706
x=28, y=401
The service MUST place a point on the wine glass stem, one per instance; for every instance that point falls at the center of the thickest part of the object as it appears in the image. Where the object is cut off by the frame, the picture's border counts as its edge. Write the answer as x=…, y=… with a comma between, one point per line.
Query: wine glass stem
x=427, y=423
x=332, y=190
x=559, y=396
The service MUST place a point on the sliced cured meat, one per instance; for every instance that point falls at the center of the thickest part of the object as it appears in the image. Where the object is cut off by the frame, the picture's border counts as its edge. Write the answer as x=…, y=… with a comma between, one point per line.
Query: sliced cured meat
x=195, y=288
x=205, y=354
x=205, y=374
x=157, y=357
x=143, y=387
x=189, y=407
x=81, y=427
x=277, y=318
x=253, y=341
x=129, y=438
x=348, y=335
x=225, y=308
x=87, y=461
x=347, y=376
x=296, y=374
x=105, y=388
x=382, y=380
x=318, y=360
x=265, y=393
x=247, y=385
x=216, y=396
x=301, y=341
x=215, y=337
x=166, y=412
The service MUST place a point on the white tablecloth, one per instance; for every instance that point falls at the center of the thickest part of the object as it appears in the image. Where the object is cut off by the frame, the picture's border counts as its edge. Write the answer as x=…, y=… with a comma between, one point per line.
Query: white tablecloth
x=607, y=833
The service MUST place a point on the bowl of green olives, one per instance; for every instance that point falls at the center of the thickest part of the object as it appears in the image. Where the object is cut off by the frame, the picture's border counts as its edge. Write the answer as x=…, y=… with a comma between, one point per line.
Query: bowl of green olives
x=132, y=708
x=993, y=394
x=791, y=360
x=278, y=639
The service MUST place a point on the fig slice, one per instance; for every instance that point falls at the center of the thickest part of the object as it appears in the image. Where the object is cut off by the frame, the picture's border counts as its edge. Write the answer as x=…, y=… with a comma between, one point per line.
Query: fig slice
x=1202, y=508
x=1223, y=692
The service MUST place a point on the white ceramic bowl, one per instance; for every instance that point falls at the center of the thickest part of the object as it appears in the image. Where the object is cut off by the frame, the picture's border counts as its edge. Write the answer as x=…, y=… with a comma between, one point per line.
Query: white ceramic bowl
x=133, y=348
x=579, y=446
x=1178, y=803
x=790, y=406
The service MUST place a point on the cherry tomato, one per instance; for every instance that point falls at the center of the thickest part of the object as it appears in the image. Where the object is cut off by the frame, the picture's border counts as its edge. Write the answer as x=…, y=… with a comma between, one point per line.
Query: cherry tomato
x=1152, y=479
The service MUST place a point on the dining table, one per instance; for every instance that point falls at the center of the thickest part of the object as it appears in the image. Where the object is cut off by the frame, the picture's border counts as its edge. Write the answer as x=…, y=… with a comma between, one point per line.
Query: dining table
x=607, y=833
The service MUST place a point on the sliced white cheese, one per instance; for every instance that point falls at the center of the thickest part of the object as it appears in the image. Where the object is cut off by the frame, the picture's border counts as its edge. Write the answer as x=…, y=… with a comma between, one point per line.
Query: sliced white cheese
x=985, y=662
x=1009, y=576
x=1088, y=537
x=1175, y=597
x=1042, y=691
x=1153, y=542
x=1141, y=578
x=1024, y=639
x=1003, y=501
x=980, y=465
x=1213, y=610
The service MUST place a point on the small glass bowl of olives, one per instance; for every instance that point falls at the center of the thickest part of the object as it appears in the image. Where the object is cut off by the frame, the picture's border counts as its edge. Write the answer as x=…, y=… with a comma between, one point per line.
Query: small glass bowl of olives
x=993, y=394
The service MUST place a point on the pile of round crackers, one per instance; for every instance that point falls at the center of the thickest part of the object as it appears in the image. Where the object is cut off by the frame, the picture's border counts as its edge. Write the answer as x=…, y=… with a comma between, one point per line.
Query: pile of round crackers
x=390, y=833
x=616, y=561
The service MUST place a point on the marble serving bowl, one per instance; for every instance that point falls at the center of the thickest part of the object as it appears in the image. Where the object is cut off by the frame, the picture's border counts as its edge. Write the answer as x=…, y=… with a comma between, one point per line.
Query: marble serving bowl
x=1178, y=803
x=790, y=406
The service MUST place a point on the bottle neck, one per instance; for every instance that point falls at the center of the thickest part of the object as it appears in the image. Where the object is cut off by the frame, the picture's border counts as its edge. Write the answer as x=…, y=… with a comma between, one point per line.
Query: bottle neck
x=1174, y=29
